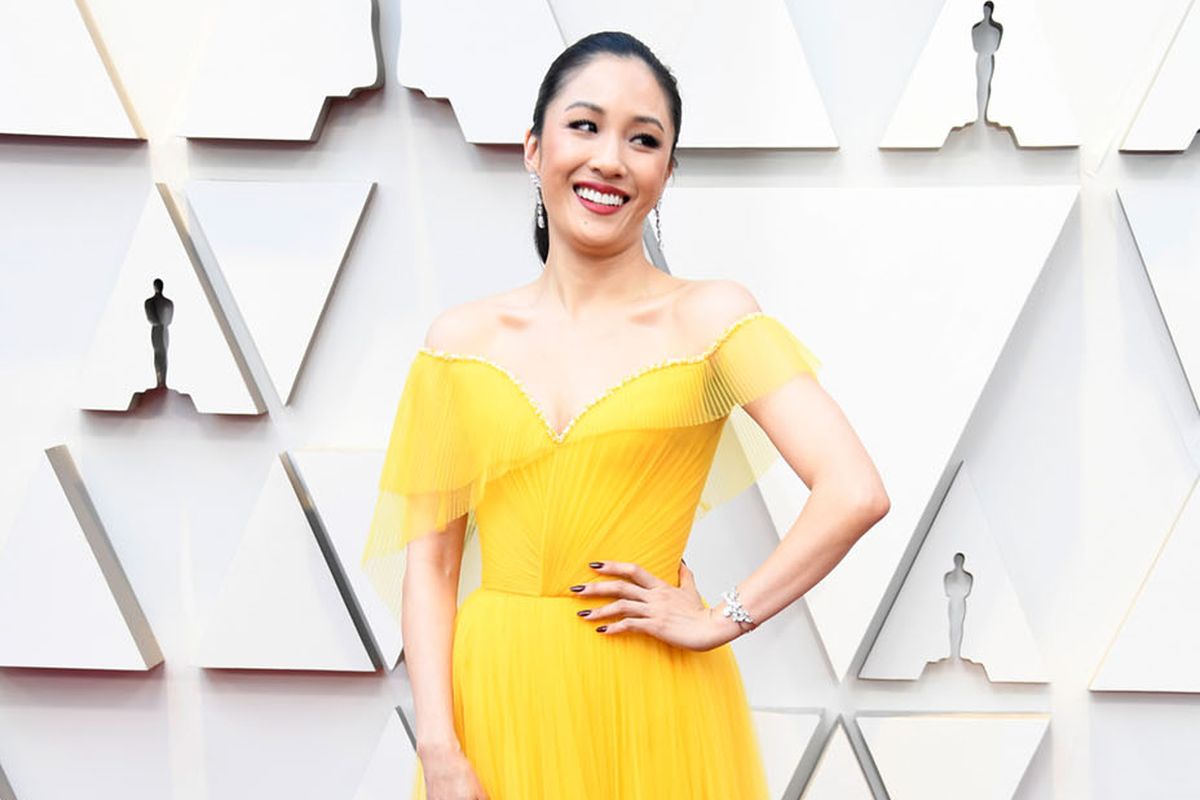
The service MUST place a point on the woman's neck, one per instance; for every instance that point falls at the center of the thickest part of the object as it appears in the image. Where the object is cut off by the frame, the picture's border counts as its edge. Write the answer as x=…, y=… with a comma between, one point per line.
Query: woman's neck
x=582, y=284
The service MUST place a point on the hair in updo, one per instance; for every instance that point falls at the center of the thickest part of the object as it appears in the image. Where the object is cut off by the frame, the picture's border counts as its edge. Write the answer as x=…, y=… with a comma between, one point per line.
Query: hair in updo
x=579, y=55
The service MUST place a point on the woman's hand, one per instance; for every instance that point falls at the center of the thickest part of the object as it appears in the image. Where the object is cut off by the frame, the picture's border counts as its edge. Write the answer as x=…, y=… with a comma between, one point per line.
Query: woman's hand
x=449, y=776
x=675, y=614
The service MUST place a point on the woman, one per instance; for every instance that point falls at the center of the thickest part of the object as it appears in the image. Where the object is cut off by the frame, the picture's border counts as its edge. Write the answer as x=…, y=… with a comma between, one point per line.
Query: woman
x=573, y=422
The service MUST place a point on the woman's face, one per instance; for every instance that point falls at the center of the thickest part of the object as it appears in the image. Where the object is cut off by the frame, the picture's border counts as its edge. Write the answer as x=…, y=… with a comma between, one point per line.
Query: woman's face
x=608, y=134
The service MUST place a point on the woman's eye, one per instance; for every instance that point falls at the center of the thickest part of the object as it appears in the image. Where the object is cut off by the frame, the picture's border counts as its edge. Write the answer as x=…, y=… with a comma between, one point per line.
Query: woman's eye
x=580, y=124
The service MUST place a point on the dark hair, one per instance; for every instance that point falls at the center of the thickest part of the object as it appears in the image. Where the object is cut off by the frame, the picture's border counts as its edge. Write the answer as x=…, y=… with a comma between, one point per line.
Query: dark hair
x=579, y=55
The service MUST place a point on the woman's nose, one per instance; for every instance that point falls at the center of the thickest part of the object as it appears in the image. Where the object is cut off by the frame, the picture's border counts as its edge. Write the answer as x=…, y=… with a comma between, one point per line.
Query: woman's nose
x=607, y=157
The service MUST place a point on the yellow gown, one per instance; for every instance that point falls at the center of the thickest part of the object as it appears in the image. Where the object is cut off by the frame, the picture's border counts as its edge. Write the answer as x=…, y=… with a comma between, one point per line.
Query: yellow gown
x=544, y=706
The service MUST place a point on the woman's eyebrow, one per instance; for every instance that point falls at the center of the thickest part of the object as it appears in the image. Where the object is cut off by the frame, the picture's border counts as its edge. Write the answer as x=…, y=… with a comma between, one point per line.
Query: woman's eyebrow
x=599, y=110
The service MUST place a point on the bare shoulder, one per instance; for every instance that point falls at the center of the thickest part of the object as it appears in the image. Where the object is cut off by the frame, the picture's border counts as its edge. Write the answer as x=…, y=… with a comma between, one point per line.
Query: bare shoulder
x=462, y=328
x=710, y=306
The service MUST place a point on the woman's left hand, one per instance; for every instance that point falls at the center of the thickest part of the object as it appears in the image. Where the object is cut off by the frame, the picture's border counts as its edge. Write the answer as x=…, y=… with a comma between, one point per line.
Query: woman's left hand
x=675, y=614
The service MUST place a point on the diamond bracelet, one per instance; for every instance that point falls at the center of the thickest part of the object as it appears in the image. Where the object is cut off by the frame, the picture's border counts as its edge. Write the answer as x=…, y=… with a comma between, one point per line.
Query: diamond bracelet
x=735, y=610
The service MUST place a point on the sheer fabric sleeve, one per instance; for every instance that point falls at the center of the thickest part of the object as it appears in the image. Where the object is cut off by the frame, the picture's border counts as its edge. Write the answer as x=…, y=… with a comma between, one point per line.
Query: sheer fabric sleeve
x=431, y=472
x=756, y=358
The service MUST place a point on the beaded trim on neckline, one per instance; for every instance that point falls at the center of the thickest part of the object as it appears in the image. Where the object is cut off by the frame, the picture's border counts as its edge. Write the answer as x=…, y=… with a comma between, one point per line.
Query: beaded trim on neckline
x=558, y=436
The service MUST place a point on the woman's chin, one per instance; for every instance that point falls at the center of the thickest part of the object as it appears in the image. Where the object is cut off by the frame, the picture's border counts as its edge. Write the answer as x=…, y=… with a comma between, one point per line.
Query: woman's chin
x=598, y=244
x=597, y=235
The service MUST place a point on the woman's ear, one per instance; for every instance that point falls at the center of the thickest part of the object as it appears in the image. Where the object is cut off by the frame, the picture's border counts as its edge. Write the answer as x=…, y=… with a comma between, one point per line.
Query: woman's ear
x=532, y=151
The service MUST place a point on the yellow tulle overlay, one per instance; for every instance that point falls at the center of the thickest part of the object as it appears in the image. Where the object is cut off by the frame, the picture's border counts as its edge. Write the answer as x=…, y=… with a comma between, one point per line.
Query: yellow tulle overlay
x=545, y=706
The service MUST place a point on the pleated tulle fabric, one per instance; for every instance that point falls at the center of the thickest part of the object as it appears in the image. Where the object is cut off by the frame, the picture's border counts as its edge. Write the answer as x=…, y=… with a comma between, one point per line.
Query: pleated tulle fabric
x=544, y=706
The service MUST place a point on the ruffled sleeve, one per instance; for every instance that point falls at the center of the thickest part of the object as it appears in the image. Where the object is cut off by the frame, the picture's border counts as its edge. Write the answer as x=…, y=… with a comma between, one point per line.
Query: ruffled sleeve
x=431, y=472
x=758, y=356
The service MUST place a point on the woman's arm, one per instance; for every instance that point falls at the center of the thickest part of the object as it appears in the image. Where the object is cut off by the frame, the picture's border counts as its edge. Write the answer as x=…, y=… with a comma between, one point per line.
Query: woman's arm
x=430, y=604
x=811, y=432
x=847, y=497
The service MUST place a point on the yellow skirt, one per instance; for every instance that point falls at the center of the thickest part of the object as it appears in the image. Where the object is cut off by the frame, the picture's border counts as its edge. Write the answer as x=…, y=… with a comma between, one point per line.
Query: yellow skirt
x=546, y=707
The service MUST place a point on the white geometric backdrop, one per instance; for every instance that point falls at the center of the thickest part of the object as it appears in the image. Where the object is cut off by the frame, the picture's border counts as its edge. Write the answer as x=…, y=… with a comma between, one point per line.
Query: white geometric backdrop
x=1003, y=311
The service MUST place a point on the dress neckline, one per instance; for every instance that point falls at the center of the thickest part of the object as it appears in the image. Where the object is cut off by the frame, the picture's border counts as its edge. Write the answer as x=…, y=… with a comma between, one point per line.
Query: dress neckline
x=558, y=436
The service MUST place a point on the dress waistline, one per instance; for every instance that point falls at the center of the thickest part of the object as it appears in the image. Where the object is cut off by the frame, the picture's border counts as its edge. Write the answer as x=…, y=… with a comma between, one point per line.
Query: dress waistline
x=518, y=593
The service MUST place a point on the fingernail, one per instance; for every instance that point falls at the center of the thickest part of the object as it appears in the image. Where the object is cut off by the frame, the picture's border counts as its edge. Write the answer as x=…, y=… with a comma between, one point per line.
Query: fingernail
x=596, y=564
x=578, y=588
x=602, y=628
x=584, y=613
x=681, y=558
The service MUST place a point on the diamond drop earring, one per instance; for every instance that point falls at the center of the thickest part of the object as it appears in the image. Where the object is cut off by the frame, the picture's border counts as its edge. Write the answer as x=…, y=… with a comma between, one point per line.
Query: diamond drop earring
x=658, y=222
x=537, y=187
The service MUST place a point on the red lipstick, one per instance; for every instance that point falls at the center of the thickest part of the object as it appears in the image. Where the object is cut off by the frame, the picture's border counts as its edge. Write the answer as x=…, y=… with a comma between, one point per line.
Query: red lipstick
x=600, y=208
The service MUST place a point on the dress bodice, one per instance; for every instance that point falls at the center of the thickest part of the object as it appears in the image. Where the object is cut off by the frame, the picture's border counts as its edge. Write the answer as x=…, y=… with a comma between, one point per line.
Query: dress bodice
x=623, y=480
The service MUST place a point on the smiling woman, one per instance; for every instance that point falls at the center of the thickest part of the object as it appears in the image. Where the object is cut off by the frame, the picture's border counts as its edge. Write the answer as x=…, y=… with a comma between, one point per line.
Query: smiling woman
x=578, y=425
x=633, y=126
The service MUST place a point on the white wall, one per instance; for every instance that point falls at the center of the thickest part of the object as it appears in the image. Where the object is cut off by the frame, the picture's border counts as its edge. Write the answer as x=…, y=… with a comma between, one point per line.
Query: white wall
x=1082, y=446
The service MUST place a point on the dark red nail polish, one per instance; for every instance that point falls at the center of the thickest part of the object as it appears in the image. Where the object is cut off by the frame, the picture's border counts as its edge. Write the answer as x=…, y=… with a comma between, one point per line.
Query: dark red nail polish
x=602, y=628
x=596, y=564
x=577, y=588
x=584, y=613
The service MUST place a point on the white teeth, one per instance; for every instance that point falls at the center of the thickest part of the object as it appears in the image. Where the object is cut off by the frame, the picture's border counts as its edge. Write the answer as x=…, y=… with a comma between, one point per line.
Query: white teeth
x=598, y=197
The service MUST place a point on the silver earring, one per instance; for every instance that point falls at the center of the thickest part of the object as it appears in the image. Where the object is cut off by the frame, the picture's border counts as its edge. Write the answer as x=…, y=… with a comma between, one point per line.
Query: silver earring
x=537, y=187
x=658, y=222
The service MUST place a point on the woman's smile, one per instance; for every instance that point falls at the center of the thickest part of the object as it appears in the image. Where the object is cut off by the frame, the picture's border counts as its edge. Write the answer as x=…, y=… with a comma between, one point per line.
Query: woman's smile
x=600, y=199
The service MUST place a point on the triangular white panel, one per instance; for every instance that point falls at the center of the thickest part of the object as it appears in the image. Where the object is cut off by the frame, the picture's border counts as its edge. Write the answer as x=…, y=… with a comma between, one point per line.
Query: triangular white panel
x=953, y=756
x=1026, y=93
x=1165, y=221
x=55, y=81
x=1157, y=648
x=995, y=631
x=280, y=607
x=200, y=360
x=511, y=45
x=1169, y=115
x=912, y=263
x=343, y=487
x=279, y=246
x=838, y=775
x=65, y=601
x=733, y=95
x=782, y=739
x=392, y=772
x=268, y=66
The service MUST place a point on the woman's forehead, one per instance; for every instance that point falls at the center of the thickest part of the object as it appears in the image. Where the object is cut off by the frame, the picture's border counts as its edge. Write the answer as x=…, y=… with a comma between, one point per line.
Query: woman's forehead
x=614, y=84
